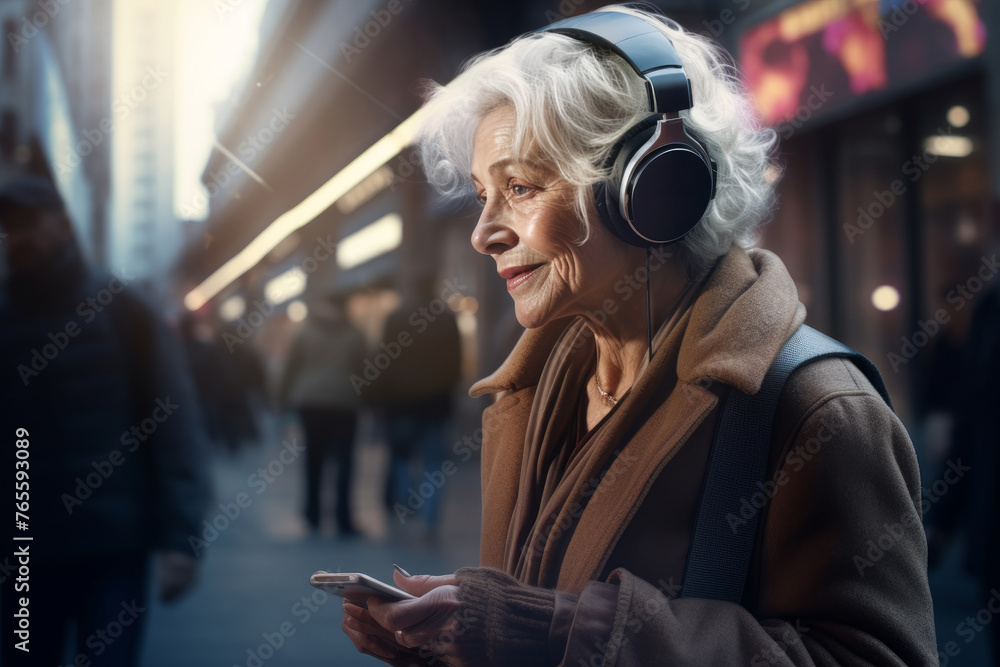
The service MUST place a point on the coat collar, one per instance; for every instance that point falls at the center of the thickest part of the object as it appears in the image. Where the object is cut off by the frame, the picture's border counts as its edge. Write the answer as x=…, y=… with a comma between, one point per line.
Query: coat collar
x=746, y=309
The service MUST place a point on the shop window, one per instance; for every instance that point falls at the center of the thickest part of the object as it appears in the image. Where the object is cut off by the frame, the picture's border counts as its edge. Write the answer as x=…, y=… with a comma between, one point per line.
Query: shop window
x=954, y=233
x=870, y=192
x=8, y=134
x=796, y=232
x=9, y=54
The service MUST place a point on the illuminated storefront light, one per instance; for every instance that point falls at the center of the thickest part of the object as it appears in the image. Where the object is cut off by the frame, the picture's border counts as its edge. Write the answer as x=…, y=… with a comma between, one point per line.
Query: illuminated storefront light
x=369, y=242
x=297, y=311
x=948, y=146
x=885, y=298
x=287, y=286
x=958, y=116
x=233, y=308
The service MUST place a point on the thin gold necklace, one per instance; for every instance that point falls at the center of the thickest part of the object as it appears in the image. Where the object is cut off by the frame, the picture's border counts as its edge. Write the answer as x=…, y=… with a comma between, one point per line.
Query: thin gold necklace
x=603, y=393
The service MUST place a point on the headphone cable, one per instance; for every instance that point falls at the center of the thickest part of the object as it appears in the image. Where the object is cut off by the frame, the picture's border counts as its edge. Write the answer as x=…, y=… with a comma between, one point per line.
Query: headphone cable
x=649, y=315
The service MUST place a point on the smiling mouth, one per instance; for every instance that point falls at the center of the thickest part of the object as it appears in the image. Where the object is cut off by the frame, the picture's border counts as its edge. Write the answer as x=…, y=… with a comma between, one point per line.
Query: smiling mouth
x=516, y=275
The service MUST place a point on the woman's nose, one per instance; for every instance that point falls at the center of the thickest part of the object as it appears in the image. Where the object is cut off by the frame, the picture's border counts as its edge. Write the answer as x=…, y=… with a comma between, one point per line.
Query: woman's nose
x=492, y=235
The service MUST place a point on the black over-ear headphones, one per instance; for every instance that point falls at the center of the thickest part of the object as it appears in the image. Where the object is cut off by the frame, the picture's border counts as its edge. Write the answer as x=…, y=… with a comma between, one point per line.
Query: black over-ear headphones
x=666, y=179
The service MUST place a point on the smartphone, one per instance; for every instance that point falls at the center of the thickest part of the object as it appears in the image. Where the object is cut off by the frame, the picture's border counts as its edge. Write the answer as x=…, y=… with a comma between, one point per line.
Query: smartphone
x=356, y=587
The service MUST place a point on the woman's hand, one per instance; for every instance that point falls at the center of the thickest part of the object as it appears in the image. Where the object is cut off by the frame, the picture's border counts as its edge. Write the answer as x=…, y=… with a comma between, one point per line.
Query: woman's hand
x=372, y=639
x=401, y=633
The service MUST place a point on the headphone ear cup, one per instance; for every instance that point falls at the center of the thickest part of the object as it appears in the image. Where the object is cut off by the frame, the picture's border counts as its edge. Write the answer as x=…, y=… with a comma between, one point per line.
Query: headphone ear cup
x=669, y=193
x=606, y=191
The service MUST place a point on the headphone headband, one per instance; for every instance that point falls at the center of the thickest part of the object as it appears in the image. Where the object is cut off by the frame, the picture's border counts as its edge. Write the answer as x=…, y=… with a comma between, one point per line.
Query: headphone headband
x=661, y=179
x=647, y=50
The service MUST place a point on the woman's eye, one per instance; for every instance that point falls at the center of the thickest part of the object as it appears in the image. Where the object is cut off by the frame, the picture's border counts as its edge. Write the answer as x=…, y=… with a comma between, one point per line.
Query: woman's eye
x=481, y=198
x=520, y=190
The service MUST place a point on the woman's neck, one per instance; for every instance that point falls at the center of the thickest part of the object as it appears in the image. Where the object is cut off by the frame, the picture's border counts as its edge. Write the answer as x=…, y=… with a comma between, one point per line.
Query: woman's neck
x=621, y=339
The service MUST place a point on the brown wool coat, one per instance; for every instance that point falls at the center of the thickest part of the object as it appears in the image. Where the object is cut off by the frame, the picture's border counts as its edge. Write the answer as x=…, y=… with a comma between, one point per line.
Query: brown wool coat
x=839, y=572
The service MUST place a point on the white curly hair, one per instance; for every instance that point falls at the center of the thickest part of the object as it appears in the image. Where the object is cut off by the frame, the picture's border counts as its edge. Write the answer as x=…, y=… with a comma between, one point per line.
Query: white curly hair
x=572, y=103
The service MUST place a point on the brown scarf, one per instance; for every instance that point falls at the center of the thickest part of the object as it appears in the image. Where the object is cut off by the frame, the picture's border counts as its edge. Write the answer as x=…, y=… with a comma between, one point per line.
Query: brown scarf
x=563, y=464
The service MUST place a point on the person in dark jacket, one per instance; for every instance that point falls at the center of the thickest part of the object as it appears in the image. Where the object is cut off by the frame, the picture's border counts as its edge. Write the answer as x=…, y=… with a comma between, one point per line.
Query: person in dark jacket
x=229, y=379
x=415, y=394
x=96, y=384
x=971, y=506
x=317, y=384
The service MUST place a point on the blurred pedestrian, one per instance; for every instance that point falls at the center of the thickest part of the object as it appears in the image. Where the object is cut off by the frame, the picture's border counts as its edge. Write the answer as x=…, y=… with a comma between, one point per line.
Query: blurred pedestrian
x=115, y=466
x=229, y=377
x=241, y=383
x=415, y=394
x=317, y=384
x=970, y=505
x=197, y=339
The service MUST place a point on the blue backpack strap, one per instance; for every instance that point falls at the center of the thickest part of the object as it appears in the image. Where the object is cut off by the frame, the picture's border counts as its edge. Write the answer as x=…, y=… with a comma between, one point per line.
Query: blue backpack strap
x=722, y=541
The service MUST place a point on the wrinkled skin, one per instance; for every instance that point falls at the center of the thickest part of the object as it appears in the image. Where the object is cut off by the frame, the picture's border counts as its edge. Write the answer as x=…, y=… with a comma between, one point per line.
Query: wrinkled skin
x=428, y=626
x=529, y=219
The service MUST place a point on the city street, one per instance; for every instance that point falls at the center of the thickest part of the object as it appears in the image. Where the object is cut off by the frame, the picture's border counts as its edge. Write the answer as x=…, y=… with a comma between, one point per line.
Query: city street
x=255, y=573
x=231, y=229
x=254, y=580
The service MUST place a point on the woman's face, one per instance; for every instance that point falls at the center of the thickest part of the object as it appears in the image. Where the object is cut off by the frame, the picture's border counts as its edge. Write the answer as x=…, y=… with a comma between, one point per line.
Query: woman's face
x=529, y=225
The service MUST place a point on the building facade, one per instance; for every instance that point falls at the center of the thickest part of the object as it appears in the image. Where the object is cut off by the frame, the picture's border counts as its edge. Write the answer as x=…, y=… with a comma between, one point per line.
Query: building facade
x=887, y=117
x=55, y=92
x=883, y=109
x=146, y=234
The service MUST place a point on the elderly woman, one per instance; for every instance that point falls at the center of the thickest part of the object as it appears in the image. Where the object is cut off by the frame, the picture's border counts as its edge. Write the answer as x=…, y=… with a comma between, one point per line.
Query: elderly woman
x=596, y=447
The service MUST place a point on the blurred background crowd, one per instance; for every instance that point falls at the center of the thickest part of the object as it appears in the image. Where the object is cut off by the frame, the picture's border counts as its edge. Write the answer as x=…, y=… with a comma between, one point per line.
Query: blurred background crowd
x=240, y=328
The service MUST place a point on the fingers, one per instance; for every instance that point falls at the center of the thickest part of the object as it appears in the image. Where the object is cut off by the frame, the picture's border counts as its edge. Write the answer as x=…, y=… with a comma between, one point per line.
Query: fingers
x=432, y=635
x=420, y=584
x=362, y=621
x=368, y=637
x=388, y=630
x=368, y=644
x=420, y=621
